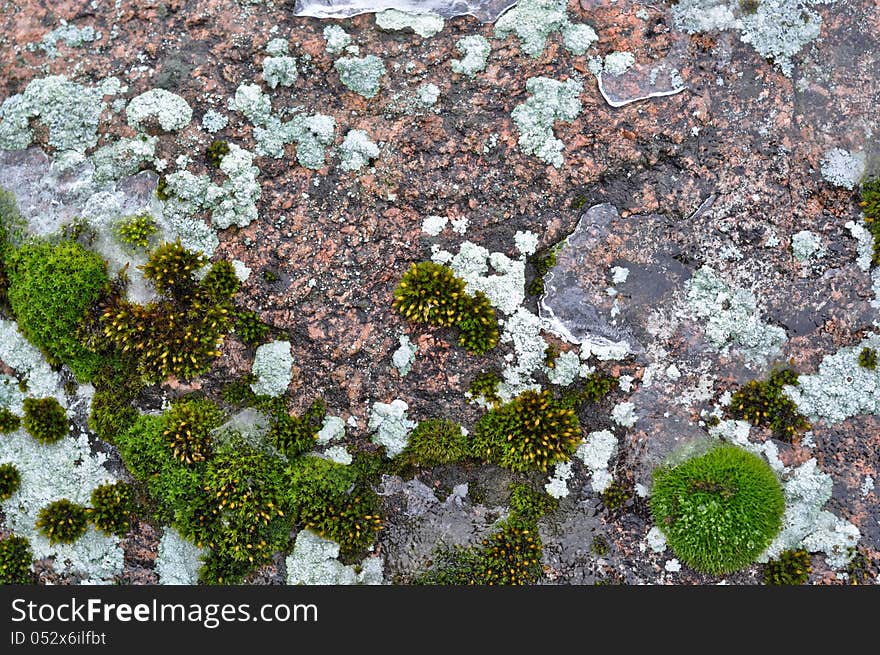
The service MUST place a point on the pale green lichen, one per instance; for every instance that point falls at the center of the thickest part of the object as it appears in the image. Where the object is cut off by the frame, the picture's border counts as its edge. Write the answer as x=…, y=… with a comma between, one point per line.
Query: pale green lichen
x=806, y=245
x=69, y=110
x=731, y=316
x=843, y=168
x=357, y=150
x=123, y=157
x=279, y=71
x=169, y=109
x=332, y=429
x=337, y=39
x=250, y=100
x=213, y=121
x=565, y=370
x=532, y=21
x=404, y=356
x=178, y=560
x=476, y=51
x=428, y=93
x=550, y=101
x=362, y=75
x=314, y=561
x=578, y=37
x=425, y=25
x=390, y=425
x=272, y=369
x=277, y=47
x=617, y=63
x=70, y=35
x=596, y=453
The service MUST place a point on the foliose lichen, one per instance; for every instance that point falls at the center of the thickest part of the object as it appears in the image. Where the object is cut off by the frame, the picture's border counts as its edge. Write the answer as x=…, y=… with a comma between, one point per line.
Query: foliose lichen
x=272, y=368
x=476, y=51
x=357, y=150
x=362, y=75
x=169, y=109
x=550, y=101
x=425, y=25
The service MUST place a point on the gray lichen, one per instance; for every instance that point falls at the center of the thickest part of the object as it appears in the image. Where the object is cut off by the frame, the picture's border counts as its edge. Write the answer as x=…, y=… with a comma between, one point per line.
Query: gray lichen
x=550, y=101
x=425, y=25
x=476, y=51
x=357, y=150
x=362, y=75
x=169, y=109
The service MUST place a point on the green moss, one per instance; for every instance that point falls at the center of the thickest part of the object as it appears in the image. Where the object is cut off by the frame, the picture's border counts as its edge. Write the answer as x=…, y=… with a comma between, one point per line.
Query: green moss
x=10, y=481
x=509, y=556
x=868, y=358
x=528, y=504
x=329, y=499
x=763, y=403
x=180, y=334
x=477, y=325
x=238, y=392
x=870, y=205
x=532, y=432
x=551, y=354
x=221, y=282
x=218, y=568
x=295, y=435
x=863, y=567
x=792, y=567
x=63, y=521
x=615, y=496
x=187, y=426
x=591, y=389
x=111, y=409
x=435, y=441
x=52, y=289
x=136, y=230
x=599, y=545
x=270, y=276
x=45, y=419
x=249, y=328
x=541, y=263
x=16, y=558
x=485, y=385
x=718, y=511
x=111, y=508
x=9, y=422
x=216, y=152
x=162, y=189
x=430, y=293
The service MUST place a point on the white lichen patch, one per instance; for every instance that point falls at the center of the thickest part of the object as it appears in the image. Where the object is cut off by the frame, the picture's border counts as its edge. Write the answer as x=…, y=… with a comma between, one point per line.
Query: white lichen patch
x=213, y=121
x=362, y=75
x=170, y=110
x=272, y=368
x=71, y=35
x=523, y=331
x=550, y=101
x=475, y=50
x=425, y=25
x=565, y=370
x=840, y=388
x=624, y=414
x=357, y=150
x=28, y=363
x=731, y=316
x=279, y=71
x=526, y=242
x=314, y=561
x=806, y=245
x=390, y=426
x=178, y=560
x=533, y=21
x=834, y=537
x=70, y=111
x=49, y=472
x=404, y=356
x=596, y=452
x=332, y=429
x=843, y=168
x=336, y=38
x=617, y=63
x=557, y=485
x=337, y=454
x=656, y=540
x=434, y=225
x=428, y=93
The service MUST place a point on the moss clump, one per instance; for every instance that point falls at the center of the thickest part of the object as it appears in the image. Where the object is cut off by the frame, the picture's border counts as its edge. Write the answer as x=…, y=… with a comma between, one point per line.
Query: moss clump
x=792, y=567
x=187, y=428
x=485, y=385
x=52, y=288
x=863, y=568
x=111, y=410
x=431, y=293
x=238, y=392
x=599, y=545
x=10, y=481
x=9, y=422
x=45, y=419
x=180, y=334
x=249, y=328
x=136, y=230
x=16, y=558
x=762, y=402
x=509, y=556
x=295, y=435
x=532, y=432
x=541, y=265
x=870, y=205
x=221, y=282
x=63, y=521
x=435, y=441
x=162, y=189
x=330, y=499
x=868, y=358
x=215, y=152
x=615, y=496
x=529, y=504
x=719, y=510
x=591, y=390
x=111, y=508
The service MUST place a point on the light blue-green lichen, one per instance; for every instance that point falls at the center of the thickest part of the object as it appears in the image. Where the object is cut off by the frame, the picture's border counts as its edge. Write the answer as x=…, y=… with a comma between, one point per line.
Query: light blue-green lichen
x=390, y=426
x=71, y=35
x=272, y=369
x=550, y=101
x=357, y=150
x=806, y=245
x=475, y=50
x=169, y=109
x=505, y=287
x=178, y=560
x=70, y=111
x=617, y=63
x=731, y=316
x=428, y=93
x=314, y=561
x=404, y=356
x=213, y=121
x=843, y=168
x=250, y=100
x=532, y=21
x=425, y=25
x=362, y=75
x=596, y=453
x=337, y=39
x=277, y=47
x=565, y=370
x=279, y=71
x=123, y=157
x=578, y=37
x=332, y=429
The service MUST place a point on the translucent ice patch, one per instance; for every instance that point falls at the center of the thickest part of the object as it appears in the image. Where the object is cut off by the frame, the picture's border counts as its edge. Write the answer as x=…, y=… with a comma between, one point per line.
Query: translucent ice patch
x=484, y=10
x=640, y=81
